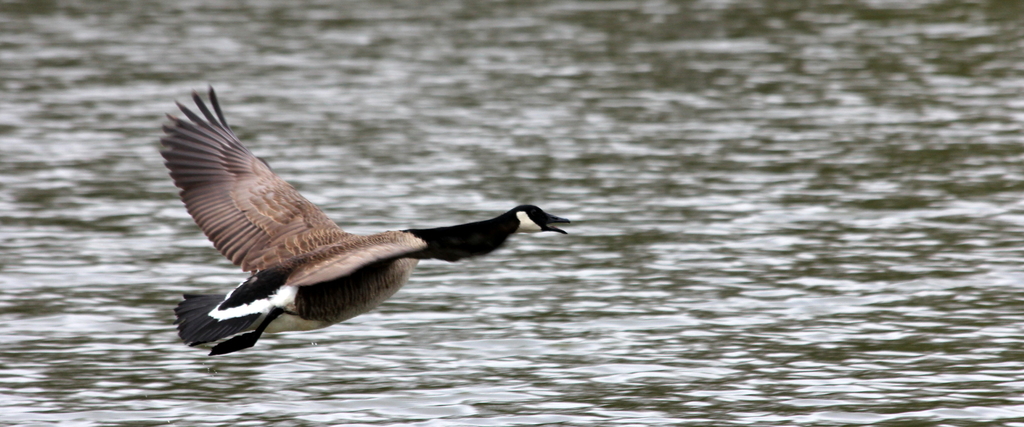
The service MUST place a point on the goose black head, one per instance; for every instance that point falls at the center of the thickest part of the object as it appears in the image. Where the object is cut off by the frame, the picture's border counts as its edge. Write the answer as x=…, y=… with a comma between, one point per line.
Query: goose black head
x=533, y=219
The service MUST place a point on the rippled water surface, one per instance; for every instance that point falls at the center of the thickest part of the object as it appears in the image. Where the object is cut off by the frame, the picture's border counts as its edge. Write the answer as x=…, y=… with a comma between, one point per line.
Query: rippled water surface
x=783, y=214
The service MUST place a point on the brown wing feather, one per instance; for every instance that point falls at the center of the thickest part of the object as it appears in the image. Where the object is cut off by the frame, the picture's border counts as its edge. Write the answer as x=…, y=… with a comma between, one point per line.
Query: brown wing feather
x=344, y=258
x=251, y=215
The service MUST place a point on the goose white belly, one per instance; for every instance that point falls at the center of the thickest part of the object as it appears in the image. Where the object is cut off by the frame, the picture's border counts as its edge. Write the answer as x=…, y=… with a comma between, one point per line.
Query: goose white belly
x=290, y=322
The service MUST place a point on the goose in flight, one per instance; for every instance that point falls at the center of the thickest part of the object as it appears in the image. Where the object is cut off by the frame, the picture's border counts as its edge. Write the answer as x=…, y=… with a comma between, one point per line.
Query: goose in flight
x=306, y=272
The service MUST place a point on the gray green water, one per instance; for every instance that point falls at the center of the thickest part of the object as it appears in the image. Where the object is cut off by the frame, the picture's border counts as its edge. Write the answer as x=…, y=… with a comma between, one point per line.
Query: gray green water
x=785, y=213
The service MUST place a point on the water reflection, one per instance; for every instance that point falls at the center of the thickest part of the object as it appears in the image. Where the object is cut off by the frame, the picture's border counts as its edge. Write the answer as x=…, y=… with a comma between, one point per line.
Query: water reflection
x=783, y=213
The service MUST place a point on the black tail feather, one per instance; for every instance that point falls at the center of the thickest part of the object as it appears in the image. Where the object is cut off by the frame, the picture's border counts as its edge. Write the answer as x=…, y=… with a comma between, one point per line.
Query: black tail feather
x=246, y=340
x=195, y=326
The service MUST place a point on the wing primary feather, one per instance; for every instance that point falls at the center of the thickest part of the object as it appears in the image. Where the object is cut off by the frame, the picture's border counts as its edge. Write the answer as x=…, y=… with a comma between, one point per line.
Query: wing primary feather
x=196, y=168
x=188, y=113
x=211, y=120
x=198, y=120
x=196, y=165
x=202, y=107
x=216, y=107
x=193, y=132
x=182, y=141
x=185, y=154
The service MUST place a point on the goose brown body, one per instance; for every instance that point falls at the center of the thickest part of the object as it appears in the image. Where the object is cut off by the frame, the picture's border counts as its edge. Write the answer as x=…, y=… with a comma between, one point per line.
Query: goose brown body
x=307, y=272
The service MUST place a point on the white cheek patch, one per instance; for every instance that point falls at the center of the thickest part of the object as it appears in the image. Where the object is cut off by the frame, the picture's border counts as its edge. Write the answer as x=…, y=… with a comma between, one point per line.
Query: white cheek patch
x=526, y=225
x=282, y=298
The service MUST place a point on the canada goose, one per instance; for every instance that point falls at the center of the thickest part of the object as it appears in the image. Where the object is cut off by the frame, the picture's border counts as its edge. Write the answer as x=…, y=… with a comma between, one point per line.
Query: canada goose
x=307, y=273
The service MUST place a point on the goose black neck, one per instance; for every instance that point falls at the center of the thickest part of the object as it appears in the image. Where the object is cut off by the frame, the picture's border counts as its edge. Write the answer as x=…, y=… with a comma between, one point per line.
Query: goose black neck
x=465, y=240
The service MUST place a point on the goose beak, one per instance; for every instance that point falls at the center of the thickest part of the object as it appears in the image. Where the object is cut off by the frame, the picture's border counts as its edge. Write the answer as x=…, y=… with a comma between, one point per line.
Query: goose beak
x=555, y=220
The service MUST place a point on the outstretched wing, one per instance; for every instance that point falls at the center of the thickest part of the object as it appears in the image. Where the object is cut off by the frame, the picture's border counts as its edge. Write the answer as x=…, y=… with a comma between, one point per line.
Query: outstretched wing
x=251, y=215
x=347, y=257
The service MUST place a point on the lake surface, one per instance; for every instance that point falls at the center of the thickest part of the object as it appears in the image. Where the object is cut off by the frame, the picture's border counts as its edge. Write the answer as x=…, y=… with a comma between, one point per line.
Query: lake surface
x=782, y=214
